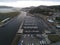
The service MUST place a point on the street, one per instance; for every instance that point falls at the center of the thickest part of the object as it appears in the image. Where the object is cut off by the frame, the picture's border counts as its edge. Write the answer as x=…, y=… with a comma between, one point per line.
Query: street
x=33, y=29
x=30, y=39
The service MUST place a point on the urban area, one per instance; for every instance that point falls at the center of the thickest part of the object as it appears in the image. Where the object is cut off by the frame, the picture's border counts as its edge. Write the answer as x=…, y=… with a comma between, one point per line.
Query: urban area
x=30, y=25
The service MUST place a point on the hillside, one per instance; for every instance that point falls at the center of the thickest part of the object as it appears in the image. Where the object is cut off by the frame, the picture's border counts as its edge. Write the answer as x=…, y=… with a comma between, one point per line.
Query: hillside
x=46, y=10
x=5, y=7
x=55, y=7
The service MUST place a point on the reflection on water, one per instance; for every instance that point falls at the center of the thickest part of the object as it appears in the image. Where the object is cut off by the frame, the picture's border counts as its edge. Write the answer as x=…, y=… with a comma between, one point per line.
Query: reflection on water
x=4, y=10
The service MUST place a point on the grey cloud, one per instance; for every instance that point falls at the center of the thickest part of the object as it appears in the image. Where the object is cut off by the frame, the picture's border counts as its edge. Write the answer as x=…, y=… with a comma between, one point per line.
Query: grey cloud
x=7, y=0
x=25, y=0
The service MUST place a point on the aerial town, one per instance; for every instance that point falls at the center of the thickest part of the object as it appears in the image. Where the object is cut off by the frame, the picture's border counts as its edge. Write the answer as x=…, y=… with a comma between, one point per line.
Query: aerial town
x=32, y=25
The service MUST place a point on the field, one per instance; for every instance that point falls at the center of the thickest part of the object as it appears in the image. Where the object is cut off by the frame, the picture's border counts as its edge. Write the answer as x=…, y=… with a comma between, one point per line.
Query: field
x=54, y=38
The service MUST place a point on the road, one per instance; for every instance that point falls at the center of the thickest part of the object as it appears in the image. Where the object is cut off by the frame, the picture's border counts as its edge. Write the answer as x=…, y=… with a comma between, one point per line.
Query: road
x=33, y=28
x=8, y=31
x=35, y=23
x=30, y=39
x=30, y=25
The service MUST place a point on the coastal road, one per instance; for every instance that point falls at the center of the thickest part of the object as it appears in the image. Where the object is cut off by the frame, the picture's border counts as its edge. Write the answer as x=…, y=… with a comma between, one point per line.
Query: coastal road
x=33, y=28
x=8, y=31
x=30, y=39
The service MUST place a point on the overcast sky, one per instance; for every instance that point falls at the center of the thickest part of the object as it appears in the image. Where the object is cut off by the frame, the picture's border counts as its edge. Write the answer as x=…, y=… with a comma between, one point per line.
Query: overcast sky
x=27, y=3
x=26, y=0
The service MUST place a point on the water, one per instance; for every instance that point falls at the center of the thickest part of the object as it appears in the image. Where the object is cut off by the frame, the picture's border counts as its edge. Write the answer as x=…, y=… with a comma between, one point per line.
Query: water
x=5, y=10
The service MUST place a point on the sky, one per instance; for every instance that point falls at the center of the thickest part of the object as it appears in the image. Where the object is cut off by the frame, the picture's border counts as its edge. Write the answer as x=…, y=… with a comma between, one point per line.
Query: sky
x=27, y=3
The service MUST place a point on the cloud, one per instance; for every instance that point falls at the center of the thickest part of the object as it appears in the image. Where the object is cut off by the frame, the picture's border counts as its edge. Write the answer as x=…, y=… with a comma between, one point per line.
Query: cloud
x=8, y=0
x=29, y=3
x=26, y=0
